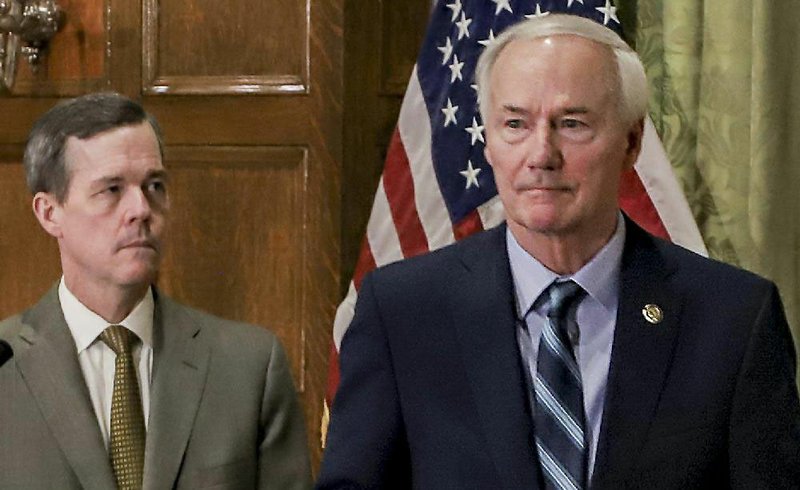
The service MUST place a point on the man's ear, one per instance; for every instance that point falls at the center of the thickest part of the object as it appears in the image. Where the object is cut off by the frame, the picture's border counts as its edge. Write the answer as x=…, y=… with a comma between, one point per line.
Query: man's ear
x=635, y=135
x=48, y=212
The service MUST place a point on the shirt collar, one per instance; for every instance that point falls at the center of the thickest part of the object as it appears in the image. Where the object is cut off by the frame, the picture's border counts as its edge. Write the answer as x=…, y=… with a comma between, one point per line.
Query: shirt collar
x=86, y=325
x=599, y=277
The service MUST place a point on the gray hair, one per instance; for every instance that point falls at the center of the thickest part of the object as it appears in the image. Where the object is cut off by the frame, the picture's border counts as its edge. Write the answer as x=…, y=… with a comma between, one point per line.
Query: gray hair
x=82, y=117
x=630, y=72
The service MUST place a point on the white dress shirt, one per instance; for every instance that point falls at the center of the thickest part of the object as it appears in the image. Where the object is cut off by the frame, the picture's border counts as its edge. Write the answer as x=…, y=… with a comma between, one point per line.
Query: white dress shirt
x=97, y=359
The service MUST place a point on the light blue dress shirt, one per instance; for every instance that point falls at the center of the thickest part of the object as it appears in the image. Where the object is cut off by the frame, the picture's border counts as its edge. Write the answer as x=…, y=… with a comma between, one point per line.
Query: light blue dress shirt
x=596, y=318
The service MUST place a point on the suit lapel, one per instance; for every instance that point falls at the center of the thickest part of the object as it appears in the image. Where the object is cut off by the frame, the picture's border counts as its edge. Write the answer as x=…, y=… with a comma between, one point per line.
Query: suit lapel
x=47, y=361
x=641, y=356
x=483, y=312
x=179, y=375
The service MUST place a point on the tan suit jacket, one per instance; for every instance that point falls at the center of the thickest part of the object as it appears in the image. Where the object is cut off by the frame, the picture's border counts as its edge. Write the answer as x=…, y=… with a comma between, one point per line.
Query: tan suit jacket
x=223, y=409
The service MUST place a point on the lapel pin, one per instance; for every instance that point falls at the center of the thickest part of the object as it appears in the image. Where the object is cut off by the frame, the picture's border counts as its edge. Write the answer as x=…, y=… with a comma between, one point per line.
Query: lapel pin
x=653, y=313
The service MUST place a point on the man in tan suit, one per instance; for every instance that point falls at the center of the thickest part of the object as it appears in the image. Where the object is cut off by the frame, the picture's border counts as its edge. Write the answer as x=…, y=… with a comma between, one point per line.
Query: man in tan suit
x=184, y=399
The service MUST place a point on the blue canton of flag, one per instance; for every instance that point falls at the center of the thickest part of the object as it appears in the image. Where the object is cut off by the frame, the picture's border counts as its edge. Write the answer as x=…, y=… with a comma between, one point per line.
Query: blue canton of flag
x=458, y=32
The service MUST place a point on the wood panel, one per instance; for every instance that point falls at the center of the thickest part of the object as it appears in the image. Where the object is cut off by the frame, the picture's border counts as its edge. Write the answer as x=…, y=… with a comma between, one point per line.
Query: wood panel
x=237, y=236
x=402, y=29
x=236, y=46
x=374, y=88
x=76, y=60
x=29, y=262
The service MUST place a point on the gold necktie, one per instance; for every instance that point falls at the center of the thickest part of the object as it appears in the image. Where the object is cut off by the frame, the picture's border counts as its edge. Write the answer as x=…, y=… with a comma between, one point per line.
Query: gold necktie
x=127, y=418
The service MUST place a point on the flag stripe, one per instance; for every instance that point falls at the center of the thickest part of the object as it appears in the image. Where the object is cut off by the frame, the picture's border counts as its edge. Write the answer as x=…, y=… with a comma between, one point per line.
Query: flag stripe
x=344, y=314
x=665, y=192
x=469, y=224
x=399, y=187
x=633, y=199
x=415, y=132
x=333, y=372
x=492, y=213
x=381, y=232
x=365, y=263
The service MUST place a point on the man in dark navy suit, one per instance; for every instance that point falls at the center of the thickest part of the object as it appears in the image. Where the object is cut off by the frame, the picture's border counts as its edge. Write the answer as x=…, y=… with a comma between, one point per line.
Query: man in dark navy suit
x=567, y=348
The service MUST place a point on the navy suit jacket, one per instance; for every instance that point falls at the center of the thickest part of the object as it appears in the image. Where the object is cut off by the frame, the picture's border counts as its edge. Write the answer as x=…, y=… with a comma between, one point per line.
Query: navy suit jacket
x=432, y=393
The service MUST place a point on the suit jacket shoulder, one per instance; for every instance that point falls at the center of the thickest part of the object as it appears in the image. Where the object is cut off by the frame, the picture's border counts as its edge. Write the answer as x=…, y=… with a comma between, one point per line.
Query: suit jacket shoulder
x=230, y=337
x=426, y=277
x=224, y=407
x=10, y=326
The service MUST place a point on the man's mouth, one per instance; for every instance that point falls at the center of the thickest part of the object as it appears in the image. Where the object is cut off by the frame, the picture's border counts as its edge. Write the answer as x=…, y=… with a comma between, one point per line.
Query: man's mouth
x=140, y=243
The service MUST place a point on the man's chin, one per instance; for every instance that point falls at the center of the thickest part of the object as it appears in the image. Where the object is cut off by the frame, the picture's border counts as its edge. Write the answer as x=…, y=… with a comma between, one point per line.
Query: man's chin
x=140, y=276
x=550, y=224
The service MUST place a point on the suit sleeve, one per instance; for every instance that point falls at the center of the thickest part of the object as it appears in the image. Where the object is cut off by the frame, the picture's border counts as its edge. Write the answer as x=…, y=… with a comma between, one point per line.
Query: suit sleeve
x=366, y=445
x=283, y=461
x=765, y=419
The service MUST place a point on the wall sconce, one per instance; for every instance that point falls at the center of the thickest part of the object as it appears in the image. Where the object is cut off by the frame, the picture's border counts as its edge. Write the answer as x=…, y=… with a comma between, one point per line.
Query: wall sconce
x=31, y=23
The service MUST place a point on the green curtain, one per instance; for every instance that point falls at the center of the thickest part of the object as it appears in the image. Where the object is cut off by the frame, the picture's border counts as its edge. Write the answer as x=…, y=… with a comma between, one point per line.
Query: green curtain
x=725, y=99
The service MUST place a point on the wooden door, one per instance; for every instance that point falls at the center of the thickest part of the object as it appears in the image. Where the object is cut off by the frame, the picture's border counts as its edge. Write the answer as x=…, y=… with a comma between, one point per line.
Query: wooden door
x=248, y=94
x=382, y=40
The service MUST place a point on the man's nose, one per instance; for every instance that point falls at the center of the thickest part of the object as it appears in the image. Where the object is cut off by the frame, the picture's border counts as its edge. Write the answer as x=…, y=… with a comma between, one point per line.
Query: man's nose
x=137, y=205
x=542, y=148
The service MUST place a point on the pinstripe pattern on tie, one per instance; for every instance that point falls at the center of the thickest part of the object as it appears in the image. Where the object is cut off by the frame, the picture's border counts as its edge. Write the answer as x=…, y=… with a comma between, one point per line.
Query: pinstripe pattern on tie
x=559, y=417
x=127, y=416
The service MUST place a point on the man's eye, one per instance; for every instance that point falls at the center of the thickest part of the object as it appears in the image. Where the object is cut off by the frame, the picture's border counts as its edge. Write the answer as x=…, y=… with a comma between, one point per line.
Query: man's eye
x=156, y=186
x=571, y=123
x=112, y=189
x=514, y=123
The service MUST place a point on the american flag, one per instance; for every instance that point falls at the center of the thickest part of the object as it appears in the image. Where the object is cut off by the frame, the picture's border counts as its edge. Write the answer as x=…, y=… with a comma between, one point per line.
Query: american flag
x=437, y=187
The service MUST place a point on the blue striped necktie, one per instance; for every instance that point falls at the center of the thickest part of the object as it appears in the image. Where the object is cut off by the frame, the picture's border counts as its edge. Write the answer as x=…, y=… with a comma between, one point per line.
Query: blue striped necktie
x=559, y=418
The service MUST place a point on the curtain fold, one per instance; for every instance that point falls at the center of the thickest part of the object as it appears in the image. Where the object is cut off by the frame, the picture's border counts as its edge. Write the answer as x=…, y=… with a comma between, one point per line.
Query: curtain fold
x=725, y=99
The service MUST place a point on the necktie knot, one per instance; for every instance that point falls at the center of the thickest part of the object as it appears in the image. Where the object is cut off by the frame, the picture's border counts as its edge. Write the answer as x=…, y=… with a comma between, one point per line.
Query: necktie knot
x=562, y=295
x=118, y=338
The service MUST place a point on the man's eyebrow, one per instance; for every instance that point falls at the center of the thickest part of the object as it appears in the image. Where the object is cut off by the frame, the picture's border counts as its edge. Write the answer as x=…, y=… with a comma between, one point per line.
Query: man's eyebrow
x=567, y=110
x=576, y=110
x=514, y=109
x=106, y=180
x=158, y=174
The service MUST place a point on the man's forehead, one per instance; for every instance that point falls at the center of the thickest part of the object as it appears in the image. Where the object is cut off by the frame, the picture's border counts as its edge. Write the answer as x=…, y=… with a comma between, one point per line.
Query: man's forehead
x=113, y=153
x=565, y=66
x=559, y=47
x=132, y=139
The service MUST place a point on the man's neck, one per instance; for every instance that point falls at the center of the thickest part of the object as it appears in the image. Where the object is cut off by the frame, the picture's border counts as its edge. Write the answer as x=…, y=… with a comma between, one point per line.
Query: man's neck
x=563, y=254
x=112, y=304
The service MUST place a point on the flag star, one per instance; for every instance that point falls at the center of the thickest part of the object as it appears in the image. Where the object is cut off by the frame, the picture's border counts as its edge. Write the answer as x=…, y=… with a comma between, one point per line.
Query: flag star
x=456, y=8
x=476, y=131
x=474, y=87
x=450, y=113
x=537, y=13
x=471, y=174
x=446, y=50
x=455, y=69
x=463, y=26
x=502, y=5
x=570, y=2
x=488, y=40
x=609, y=12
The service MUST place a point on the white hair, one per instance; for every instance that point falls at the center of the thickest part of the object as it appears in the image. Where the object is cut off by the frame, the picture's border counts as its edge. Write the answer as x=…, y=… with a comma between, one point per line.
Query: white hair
x=630, y=72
